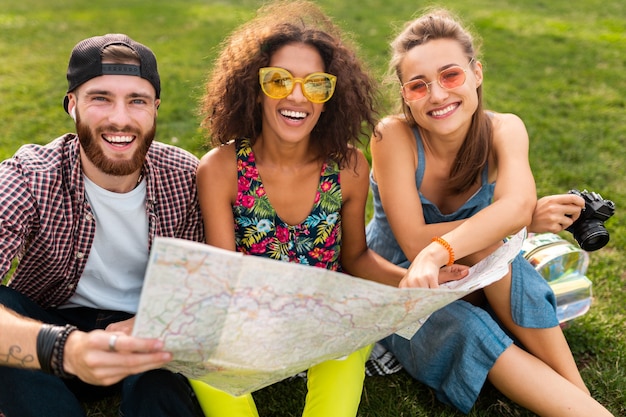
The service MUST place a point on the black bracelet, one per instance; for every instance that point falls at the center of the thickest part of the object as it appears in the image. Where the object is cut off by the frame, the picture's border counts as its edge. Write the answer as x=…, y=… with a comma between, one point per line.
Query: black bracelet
x=58, y=350
x=46, y=338
x=50, y=348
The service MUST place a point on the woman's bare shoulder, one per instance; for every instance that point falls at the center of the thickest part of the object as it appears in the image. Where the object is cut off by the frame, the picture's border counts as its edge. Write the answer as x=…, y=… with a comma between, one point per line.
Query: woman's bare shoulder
x=505, y=120
x=394, y=121
x=221, y=158
x=394, y=126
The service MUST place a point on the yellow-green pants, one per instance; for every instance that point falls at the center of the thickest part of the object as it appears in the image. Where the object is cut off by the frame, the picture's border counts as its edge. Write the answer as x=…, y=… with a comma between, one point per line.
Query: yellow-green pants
x=334, y=390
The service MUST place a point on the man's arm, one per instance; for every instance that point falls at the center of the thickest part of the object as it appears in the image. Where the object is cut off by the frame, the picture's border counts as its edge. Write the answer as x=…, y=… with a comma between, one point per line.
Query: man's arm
x=18, y=342
x=99, y=357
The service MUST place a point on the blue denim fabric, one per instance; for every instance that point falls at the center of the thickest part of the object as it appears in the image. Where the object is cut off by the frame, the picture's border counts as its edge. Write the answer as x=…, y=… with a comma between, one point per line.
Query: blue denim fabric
x=32, y=393
x=533, y=303
x=452, y=352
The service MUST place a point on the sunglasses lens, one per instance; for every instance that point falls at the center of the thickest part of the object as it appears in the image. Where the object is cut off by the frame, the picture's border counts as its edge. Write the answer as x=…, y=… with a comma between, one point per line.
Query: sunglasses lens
x=319, y=88
x=276, y=83
x=449, y=78
x=452, y=77
x=414, y=90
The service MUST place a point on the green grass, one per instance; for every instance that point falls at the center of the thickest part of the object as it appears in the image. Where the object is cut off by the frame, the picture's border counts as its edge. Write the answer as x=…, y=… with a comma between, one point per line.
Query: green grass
x=558, y=65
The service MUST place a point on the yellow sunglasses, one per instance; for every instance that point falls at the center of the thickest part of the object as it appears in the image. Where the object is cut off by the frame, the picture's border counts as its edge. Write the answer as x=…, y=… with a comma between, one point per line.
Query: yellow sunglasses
x=278, y=83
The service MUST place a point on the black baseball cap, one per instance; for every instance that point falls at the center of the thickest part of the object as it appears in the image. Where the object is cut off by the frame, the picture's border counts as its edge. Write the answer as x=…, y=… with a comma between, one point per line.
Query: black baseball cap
x=86, y=62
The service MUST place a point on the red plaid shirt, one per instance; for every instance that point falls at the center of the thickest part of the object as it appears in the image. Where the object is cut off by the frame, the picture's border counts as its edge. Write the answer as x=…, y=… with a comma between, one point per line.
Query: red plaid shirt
x=47, y=223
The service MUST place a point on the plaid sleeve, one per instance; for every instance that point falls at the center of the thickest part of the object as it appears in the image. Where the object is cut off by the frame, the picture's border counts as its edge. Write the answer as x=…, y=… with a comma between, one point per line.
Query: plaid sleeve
x=17, y=208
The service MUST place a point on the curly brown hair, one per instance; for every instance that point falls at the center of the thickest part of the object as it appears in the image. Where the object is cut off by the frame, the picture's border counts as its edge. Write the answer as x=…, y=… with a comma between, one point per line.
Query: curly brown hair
x=438, y=23
x=230, y=108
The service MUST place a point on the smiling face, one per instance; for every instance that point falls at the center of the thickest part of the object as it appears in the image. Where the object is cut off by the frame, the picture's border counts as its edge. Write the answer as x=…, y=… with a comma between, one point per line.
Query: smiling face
x=292, y=118
x=116, y=122
x=442, y=111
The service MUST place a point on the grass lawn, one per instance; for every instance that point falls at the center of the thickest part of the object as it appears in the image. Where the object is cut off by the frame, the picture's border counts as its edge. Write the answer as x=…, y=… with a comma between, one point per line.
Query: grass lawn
x=558, y=65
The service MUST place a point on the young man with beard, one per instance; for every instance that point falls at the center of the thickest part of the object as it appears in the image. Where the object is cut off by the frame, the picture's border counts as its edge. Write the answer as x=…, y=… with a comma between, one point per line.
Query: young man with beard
x=80, y=214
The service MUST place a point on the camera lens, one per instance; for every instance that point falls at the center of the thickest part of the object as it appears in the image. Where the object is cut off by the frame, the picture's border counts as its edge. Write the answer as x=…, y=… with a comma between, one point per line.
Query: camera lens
x=593, y=238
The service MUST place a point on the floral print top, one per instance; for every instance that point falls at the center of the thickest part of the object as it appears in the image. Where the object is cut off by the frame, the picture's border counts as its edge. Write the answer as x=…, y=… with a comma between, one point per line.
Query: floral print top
x=259, y=231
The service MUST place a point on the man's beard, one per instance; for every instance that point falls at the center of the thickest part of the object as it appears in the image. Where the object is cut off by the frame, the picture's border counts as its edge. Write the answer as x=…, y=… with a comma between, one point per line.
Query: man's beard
x=93, y=150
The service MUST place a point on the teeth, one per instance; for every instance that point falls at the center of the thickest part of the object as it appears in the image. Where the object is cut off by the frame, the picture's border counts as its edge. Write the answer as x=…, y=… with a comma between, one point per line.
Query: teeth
x=119, y=139
x=293, y=114
x=444, y=110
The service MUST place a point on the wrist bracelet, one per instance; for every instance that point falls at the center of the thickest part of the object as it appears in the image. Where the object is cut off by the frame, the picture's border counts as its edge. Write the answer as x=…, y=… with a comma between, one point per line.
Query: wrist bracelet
x=446, y=245
x=59, y=350
x=50, y=348
x=45, y=344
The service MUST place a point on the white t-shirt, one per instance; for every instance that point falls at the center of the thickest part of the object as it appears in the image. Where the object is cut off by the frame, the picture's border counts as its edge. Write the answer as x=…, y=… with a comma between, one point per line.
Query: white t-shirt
x=115, y=268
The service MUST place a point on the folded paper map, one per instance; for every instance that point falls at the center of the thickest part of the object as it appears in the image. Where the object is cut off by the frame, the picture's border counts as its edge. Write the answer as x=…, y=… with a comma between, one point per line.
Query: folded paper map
x=241, y=323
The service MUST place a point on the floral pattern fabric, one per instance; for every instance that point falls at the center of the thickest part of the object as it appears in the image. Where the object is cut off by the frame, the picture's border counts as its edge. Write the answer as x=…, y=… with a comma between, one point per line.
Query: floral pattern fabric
x=260, y=231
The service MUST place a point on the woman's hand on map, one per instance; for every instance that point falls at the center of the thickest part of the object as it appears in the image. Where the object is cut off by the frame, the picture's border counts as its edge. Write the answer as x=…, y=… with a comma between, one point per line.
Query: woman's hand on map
x=429, y=275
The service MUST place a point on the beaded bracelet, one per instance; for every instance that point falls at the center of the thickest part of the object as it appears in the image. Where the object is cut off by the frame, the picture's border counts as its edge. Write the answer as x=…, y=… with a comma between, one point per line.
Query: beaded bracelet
x=446, y=245
x=58, y=351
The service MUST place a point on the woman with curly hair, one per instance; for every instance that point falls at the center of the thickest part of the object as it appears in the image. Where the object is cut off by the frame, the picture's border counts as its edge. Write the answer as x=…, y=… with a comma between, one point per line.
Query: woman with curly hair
x=285, y=107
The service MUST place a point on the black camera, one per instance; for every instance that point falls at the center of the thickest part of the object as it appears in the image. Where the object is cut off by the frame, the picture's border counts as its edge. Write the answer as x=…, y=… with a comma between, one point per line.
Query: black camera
x=589, y=229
